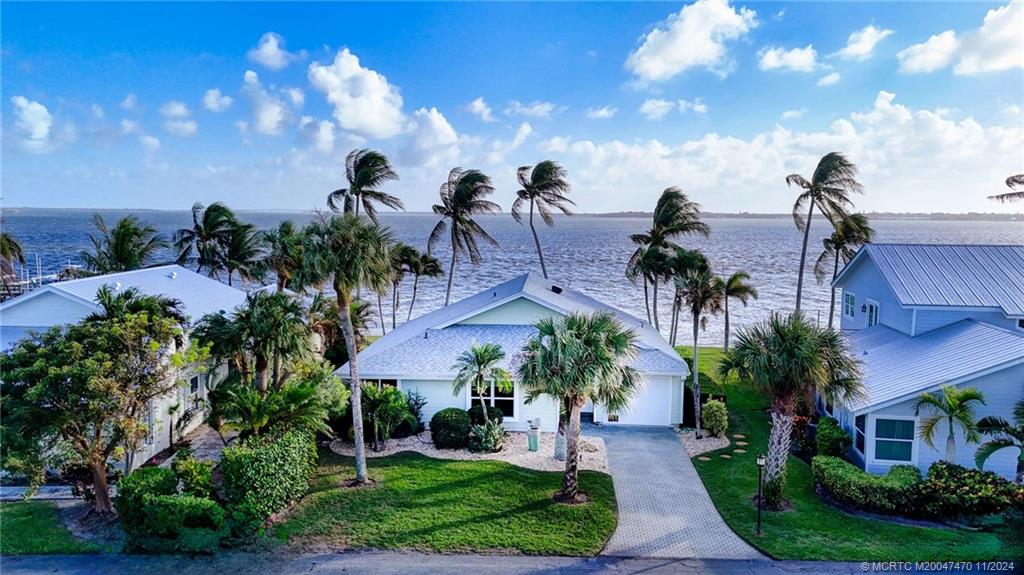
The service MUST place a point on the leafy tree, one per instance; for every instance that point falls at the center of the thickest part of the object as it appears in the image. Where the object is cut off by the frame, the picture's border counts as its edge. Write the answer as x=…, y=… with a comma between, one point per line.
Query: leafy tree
x=576, y=359
x=426, y=266
x=477, y=368
x=244, y=253
x=829, y=191
x=365, y=170
x=129, y=245
x=954, y=407
x=283, y=253
x=1015, y=183
x=204, y=243
x=385, y=408
x=702, y=293
x=462, y=197
x=851, y=231
x=736, y=286
x=1005, y=435
x=544, y=186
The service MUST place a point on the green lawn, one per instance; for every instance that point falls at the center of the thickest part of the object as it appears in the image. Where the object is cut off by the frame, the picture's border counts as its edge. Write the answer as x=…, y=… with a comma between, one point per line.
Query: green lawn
x=33, y=527
x=455, y=506
x=812, y=529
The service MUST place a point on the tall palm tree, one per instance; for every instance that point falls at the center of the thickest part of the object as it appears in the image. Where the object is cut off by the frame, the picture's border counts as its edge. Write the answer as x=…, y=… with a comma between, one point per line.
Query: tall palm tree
x=403, y=258
x=1004, y=435
x=647, y=264
x=702, y=294
x=462, y=197
x=10, y=252
x=347, y=252
x=1015, y=183
x=118, y=304
x=790, y=359
x=205, y=241
x=828, y=190
x=954, y=407
x=129, y=245
x=674, y=216
x=283, y=252
x=736, y=286
x=424, y=266
x=324, y=319
x=678, y=265
x=244, y=253
x=851, y=232
x=573, y=360
x=365, y=171
x=477, y=368
x=543, y=186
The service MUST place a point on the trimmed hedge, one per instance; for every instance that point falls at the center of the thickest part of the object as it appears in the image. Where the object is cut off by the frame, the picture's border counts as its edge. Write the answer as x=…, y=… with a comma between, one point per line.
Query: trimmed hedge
x=831, y=439
x=179, y=523
x=265, y=474
x=135, y=487
x=714, y=417
x=891, y=493
x=449, y=428
x=476, y=414
x=952, y=491
x=194, y=477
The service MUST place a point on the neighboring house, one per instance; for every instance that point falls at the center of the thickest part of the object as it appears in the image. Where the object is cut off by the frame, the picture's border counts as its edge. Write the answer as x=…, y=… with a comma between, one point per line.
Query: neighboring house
x=71, y=301
x=418, y=355
x=918, y=316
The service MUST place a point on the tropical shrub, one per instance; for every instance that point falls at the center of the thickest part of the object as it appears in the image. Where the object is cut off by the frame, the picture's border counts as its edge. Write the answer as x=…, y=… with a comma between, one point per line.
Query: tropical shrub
x=415, y=401
x=178, y=523
x=136, y=486
x=714, y=418
x=194, y=477
x=487, y=438
x=476, y=414
x=891, y=493
x=449, y=428
x=951, y=491
x=831, y=439
x=266, y=473
x=384, y=409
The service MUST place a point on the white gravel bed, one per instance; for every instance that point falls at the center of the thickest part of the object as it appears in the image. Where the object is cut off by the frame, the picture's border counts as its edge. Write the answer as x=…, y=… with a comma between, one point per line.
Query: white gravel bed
x=593, y=455
x=695, y=447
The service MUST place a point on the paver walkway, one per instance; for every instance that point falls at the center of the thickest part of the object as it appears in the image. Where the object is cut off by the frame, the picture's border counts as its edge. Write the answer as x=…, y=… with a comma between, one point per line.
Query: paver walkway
x=664, y=510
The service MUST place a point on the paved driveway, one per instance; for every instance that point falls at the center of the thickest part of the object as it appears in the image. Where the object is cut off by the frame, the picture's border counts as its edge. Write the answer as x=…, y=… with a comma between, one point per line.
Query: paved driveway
x=664, y=510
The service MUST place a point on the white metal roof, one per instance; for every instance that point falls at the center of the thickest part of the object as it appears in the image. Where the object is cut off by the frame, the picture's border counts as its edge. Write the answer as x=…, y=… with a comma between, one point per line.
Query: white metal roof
x=897, y=366
x=990, y=276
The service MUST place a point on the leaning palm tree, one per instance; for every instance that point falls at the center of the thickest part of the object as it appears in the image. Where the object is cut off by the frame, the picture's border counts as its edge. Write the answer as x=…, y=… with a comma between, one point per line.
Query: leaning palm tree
x=129, y=245
x=462, y=197
x=478, y=368
x=1015, y=183
x=205, y=241
x=1004, y=435
x=346, y=252
x=701, y=293
x=851, y=232
x=543, y=186
x=648, y=264
x=283, y=252
x=324, y=319
x=403, y=258
x=573, y=360
x=674, y=216
x=10, y=252
x=426, y=266
x=790, y=359
x=829, y=191
x=954, y=407
x=365, y=171
x=736, y=286
x=678, y=265
x=244, y=253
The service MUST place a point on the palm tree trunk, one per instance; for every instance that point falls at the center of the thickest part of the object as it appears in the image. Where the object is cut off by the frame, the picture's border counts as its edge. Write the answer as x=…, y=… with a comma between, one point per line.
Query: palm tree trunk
x=102, y=504
x=647, y=301
x=803, y=256
x=412, y=301
x=260, y=380
x=394, y=304
x=483, y=407
x=380, y=314
x=832, y=289
x=1020, y=467
x=950, y=444
x=726, y=347
x=536, y=241
x=570, y=483
x=451, y=269
x=696, y=376
x=654, y=304
x=349, y=332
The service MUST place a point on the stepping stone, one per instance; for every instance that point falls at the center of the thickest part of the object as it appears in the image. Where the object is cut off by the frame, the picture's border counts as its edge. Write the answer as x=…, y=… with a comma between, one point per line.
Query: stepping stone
x=704, y=458
x=741, y=443
x=739, y=450
x=725, y=456
x=739, y=436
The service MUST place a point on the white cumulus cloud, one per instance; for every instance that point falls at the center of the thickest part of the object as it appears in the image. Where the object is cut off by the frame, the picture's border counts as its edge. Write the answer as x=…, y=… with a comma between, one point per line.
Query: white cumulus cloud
x=362, y=98
x=795, y=59
x=296, y=96
x=500, y=148
x=481, y=109
x=695, y=106
x=270, y=52
x=432, y=141
x=793, y=114
x=656, y=108
x=861, y=44
x=535, y=109
x=269, y=114
x=35, y=124
x=933, y=54
x=183, y=128
x=215, y=101
x=601, y=113
x=830, y=79
x=130, y=102
x=995, y=46
x=175, y=109
x=319, y=134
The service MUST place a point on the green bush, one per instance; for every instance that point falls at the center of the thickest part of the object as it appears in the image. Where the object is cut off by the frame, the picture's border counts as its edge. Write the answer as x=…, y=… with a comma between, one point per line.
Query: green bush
x=449, y=428
x=476, y=414
x=266, y=473
x=831, y=439
x=714, y=417
x=133, y=488
x=178, y=523
x=951, y=491
x=194, y=477
x=488, y=438
x=773, y=492
x=892, y=493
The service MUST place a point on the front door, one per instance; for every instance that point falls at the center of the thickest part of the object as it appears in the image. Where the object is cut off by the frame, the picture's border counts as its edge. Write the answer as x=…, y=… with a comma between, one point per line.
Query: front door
x=872, y=313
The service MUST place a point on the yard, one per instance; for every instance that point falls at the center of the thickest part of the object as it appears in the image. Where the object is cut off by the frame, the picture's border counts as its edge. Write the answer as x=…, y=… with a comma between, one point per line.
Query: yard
x=450, y=506
x=812, y=529
x=33, y=527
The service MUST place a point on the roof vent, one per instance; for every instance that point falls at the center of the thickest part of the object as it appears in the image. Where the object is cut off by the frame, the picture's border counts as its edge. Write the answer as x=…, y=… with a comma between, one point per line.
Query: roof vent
x=172, y=275
x=117, y=286
x=556, y=289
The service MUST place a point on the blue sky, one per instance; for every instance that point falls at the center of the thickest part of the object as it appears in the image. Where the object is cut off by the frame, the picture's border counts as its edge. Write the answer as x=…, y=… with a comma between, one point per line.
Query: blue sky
x=159, y=105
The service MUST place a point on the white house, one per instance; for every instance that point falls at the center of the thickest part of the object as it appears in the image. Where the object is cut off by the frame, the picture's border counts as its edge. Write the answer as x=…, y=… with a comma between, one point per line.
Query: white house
x=418, y=355
x=919, y=316
x=71, y=301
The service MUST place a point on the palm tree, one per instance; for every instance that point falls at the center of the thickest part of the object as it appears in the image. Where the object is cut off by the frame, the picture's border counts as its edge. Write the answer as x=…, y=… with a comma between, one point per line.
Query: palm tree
x=244, y=252
x=680, y=263
x=403, y=258
x=462, y=197
x=129, y=245
x=347, y=252
x=1004, y=435
x=737, y=286
x=1015, y=183
x=647, y=264
x=117, y=304
x=790, y=359
x=10, y=252
x=207, y=238
x=829, y=190
x=425, y=266
x=477, y=368
x=674, y=216
x=576, y=359
x=324, y=320
x=544, y=186
x=955, y=407
x=283, y=252
x=851, y=232
x=702, y=293
x=365, y=170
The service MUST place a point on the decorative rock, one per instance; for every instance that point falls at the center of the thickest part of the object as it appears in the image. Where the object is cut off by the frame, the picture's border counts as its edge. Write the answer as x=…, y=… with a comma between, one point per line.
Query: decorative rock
x=739, y=436
x=704, y=458
x=739, y=450
x=725, y=456
x=741, y=443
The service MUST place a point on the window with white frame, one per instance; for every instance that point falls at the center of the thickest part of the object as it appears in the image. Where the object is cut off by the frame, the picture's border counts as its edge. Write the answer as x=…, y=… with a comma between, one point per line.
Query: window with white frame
x=848, y=304
x=859, y=423
x=894, y=439
x=1020, y=324
x=505, y=401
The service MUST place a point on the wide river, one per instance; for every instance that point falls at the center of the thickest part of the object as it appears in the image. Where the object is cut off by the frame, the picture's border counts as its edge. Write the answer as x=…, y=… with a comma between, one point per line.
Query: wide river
x=587, y=253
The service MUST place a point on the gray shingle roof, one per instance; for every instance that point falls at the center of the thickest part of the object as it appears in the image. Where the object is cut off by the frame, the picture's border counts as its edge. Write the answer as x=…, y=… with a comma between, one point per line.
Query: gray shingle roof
x=951, y=275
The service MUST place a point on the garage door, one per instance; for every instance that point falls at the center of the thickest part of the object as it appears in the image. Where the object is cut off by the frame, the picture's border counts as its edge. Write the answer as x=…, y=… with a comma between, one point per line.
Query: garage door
x=651, y=406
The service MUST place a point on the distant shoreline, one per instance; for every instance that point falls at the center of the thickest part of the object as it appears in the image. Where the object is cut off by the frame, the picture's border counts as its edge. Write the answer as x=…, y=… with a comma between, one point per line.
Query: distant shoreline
x=936, y=216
